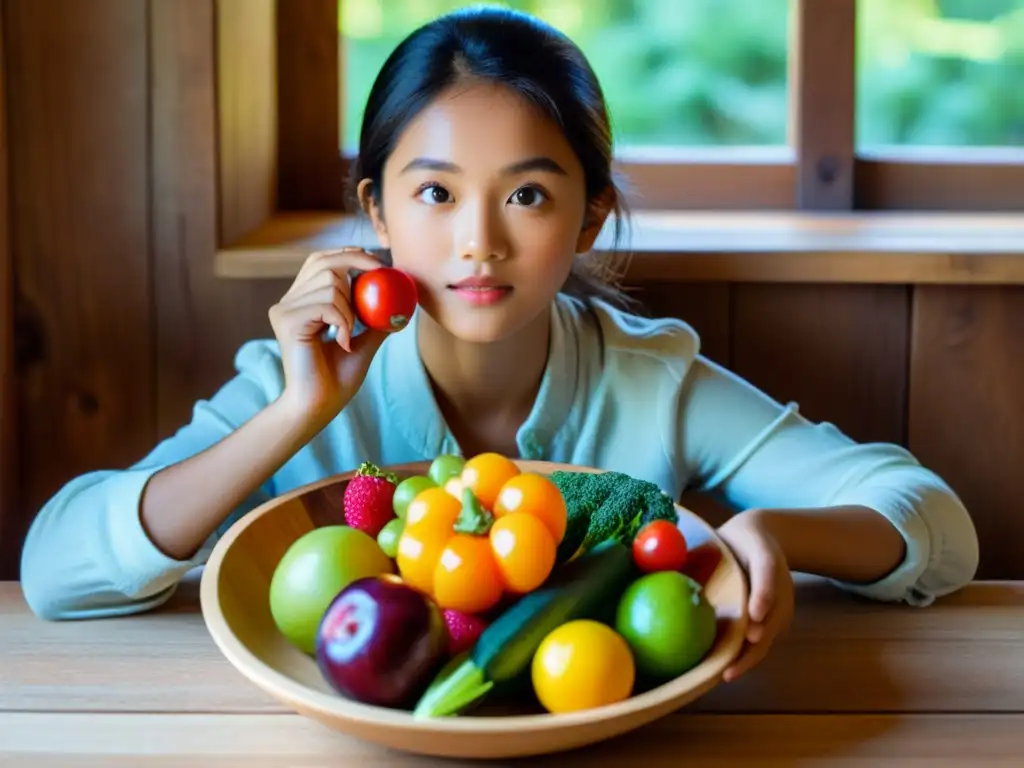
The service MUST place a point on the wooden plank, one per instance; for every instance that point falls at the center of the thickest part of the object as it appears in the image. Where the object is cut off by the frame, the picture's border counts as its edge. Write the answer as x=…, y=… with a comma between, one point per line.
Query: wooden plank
x=943, y=179
x=720, y=246
x=961, y=654
x=201, y=321
x=247, y=114
x=715, y=741
x=966, y=414
x=308, y=106
x=709, y=179
x=840, y=351
x=822, y=87
x=9, y=518
x=77, y=116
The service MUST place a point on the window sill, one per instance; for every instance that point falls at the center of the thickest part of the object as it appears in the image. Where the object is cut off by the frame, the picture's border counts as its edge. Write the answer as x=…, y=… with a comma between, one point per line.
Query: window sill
x=868, y=247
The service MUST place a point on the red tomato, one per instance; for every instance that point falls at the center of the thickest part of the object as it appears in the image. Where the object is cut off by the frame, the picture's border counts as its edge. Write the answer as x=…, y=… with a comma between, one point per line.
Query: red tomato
x=659, y=546
x=384, y=298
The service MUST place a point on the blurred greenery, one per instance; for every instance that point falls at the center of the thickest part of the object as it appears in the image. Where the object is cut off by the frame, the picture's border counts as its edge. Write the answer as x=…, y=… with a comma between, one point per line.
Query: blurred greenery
x=714, y=72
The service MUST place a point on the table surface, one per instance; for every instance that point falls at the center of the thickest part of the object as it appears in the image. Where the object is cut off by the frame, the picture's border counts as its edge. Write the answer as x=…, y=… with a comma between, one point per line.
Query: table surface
x=852, y=683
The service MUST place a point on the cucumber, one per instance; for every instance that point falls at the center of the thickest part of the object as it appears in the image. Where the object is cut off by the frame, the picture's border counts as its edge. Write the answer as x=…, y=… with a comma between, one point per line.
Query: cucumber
x=504, y=651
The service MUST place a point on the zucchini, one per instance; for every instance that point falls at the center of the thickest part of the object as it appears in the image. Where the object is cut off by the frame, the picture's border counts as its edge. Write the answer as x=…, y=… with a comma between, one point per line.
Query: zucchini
x=582, y=588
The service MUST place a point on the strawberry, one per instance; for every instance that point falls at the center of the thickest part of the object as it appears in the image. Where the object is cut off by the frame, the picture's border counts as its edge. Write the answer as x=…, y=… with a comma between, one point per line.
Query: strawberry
x=463, y=630
x=368, y=499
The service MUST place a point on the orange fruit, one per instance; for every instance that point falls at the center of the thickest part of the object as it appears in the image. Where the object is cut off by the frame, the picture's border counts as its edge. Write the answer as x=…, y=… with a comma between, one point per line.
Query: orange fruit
x=485, y=474
x=524, y=551
x=534, y=495
x=465, y=577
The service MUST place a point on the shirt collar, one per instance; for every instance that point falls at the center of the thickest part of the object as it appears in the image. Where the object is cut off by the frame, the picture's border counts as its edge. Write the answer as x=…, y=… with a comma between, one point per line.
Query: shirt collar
x=413, y=411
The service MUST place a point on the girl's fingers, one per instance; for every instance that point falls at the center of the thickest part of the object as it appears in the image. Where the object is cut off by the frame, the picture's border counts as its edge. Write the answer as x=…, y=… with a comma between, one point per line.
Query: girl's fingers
x=343, y=260
x=311, y=303
x=762, y=585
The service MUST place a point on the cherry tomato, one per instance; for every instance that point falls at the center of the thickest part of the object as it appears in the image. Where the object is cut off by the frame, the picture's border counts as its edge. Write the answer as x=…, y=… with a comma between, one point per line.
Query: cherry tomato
x=534, y=495
x=466, y=578
x=384, y=298
x=485, y=474
x=524, y=551
x=659, y=546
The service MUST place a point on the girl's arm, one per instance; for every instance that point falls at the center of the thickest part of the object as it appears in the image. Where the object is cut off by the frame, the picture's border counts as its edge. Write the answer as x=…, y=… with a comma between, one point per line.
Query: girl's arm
x=116, y=542
x=868, y=516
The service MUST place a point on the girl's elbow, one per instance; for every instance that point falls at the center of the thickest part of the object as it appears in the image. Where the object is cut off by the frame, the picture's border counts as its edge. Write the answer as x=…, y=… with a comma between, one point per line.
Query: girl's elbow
x=956, y=556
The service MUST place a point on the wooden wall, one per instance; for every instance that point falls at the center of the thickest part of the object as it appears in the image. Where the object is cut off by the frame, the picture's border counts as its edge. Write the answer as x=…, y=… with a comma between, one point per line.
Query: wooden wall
x=111, y=139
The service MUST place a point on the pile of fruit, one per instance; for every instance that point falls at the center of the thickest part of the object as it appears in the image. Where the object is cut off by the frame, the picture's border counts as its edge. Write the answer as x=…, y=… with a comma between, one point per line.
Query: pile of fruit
x=444, y=589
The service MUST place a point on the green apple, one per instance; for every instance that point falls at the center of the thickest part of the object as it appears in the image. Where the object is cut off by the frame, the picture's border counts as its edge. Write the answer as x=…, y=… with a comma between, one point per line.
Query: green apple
x=316, y=567
x=445, y=467
x=667, y=622
x=407, y=490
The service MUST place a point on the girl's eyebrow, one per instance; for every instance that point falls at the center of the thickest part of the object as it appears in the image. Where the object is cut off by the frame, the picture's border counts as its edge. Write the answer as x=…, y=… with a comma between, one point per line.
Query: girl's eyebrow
x=540, y=163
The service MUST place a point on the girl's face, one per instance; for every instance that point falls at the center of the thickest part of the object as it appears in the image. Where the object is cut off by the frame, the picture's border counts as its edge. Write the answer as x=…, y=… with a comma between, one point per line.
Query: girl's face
x=484, y=205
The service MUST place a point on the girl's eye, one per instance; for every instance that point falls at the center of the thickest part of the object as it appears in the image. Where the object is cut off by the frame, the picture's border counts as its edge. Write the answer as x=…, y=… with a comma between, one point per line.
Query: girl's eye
x=527, y=196
x=434, y=194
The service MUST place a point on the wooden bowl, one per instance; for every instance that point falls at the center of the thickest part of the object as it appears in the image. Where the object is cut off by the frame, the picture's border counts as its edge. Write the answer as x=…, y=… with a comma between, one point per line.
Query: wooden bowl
x=234, y=599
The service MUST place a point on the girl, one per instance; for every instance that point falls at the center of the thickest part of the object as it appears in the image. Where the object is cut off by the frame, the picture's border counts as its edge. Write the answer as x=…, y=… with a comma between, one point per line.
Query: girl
x=485, y=167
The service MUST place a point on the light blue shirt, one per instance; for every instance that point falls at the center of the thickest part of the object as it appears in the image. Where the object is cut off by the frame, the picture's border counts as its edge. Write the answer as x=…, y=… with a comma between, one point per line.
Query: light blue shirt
x=619, y=392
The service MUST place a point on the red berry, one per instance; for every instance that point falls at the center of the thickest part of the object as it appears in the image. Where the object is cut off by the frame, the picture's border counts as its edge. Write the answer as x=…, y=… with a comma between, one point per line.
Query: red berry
x=463, y=630
x=368, y=499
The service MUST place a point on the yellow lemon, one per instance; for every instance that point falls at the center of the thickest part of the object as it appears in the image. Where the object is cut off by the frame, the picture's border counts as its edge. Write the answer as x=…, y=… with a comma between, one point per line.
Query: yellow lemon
x=580, y=665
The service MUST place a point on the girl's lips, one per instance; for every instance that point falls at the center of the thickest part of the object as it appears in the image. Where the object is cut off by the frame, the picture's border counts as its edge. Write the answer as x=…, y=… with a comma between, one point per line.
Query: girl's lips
x=482, y=295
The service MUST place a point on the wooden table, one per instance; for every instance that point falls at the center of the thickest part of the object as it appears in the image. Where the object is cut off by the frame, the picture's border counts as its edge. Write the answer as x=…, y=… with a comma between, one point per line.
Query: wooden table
x=851, y=684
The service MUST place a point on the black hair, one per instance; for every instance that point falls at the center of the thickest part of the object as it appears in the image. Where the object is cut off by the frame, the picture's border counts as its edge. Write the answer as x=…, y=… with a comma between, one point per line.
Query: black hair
x=533, y=59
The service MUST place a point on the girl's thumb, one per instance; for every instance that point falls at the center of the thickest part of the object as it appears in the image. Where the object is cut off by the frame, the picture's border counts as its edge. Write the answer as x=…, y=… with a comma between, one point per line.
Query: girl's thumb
x=365, y=346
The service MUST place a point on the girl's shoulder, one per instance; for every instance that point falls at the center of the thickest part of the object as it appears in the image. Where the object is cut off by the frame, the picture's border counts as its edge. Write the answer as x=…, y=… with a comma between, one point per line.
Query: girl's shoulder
x=626, y=339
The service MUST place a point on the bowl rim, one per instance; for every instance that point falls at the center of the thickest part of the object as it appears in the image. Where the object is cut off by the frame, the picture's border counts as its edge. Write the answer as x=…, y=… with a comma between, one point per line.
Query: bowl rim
x=705, y=675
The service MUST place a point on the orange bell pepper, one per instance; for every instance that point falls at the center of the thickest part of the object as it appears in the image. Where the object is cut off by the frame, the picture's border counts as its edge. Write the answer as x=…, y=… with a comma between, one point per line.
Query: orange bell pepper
x=494, y=530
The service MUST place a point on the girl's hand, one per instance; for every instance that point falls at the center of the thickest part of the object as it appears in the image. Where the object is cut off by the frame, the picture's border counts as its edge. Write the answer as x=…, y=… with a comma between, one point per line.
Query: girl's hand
x=322, y=376
x=771, y=587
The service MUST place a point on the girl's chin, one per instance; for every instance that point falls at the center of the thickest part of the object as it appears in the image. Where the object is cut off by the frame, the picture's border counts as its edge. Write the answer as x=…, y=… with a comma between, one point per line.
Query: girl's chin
x=481, y=325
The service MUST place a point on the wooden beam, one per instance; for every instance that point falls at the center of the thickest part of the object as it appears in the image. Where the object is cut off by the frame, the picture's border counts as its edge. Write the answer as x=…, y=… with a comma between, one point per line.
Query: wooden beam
x=822, y=85
x=8, y=380
x=308, y=105
x=247, y=114
x=722, y=246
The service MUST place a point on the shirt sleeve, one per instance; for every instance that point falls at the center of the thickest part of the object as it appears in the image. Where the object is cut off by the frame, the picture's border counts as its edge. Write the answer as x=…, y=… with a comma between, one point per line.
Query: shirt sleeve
x=750, y=451
x=87, y=555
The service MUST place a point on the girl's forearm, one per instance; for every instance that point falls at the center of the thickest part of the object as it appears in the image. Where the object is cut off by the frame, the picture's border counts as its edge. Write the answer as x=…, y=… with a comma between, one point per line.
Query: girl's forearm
x=853, y=544
x=184, y=503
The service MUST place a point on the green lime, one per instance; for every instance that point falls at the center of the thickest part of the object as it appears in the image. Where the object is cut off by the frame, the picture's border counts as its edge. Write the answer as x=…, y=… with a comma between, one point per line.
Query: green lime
x=668, y=622
x=389, y=535
x=407, y=490
x=445, y=467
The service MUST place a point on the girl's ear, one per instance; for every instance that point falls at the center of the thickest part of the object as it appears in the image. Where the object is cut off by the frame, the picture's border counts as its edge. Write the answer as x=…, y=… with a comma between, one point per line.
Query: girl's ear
x=597, y=214
x=370, y=204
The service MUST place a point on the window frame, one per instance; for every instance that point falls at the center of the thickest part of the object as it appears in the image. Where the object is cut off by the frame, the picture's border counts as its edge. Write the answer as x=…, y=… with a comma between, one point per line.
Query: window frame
x=279, y=114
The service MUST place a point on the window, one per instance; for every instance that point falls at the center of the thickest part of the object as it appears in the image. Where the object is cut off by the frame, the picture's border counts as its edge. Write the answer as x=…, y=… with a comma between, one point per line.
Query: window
x=718, y=105
x=692, y=73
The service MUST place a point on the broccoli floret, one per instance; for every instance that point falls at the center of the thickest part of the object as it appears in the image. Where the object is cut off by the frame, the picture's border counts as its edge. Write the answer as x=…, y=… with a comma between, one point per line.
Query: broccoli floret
x=584, y=492
x=605, y=506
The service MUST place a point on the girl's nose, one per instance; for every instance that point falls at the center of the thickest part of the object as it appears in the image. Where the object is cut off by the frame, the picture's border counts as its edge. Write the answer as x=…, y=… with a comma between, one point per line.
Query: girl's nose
x=481, y=233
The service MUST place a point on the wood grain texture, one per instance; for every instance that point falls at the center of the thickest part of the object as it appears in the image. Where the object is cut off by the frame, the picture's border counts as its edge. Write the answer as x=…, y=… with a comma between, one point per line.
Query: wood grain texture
x=705, y=246
x=200, y=321
x=966, y=408
x=823, y=85
x=839, y=351
x=247, y=136
x=10, y=520
x=77, y=116
x=309, y=106
x=702, y=741
x=962, y=654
